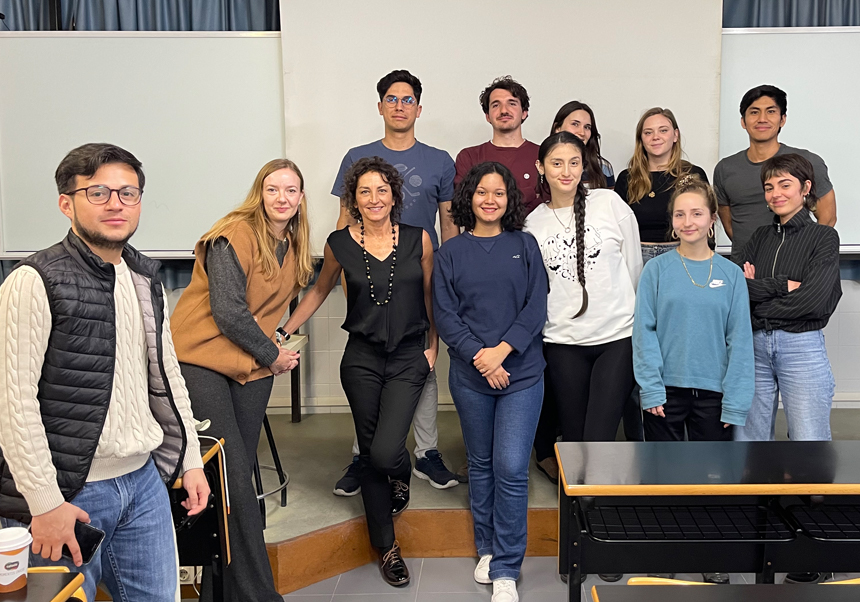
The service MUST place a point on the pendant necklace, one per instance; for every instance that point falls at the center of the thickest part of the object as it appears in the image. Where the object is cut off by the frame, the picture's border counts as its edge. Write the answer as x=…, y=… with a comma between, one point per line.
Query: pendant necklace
x=393, y=263
x=569, y=222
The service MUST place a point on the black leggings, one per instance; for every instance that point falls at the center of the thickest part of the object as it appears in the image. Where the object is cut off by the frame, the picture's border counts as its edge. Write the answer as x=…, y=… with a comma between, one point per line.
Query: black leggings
x=695, y=411
x=236, y=412
x=591, y=385
x=383, y=390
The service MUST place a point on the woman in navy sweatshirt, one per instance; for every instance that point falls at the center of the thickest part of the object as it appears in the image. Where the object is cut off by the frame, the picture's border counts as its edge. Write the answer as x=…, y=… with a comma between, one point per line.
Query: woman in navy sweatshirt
x=792, y=270
x=489, y=299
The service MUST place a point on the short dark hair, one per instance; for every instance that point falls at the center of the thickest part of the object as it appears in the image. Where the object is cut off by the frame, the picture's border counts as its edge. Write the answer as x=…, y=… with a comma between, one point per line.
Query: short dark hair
x=504, y=83
x=794, y=165
x=773, y=92
x=461, y=205
x=87, y=159
x=399, y=75
x=385, y=169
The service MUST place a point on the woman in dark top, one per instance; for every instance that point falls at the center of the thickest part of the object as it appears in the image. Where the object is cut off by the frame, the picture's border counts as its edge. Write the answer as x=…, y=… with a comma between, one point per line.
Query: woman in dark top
x=387, y=267
x=792, y=270
x=578, y=119
x=247, y=269
x=650, y=178
x=490, y=295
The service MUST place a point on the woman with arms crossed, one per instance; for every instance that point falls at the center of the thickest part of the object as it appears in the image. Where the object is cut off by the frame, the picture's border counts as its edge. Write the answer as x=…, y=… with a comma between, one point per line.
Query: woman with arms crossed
x=388, y=267
x=247, y=268
x=792, y=270
x=489, y=293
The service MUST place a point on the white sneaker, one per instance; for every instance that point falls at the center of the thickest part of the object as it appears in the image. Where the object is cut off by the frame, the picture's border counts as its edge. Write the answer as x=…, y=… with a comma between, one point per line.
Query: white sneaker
x=505, y=590
x=482, y=571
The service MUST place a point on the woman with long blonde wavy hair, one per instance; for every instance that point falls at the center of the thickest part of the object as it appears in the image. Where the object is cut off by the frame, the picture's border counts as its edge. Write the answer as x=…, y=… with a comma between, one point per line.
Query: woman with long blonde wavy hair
x=247, y=269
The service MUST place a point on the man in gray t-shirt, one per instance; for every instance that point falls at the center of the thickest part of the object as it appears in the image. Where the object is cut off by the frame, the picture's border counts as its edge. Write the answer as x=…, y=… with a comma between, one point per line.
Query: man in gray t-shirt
x=737, y=178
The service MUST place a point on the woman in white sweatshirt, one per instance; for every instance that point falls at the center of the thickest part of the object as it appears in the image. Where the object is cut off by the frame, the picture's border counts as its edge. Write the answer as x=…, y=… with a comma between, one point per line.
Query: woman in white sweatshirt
x=589, y=240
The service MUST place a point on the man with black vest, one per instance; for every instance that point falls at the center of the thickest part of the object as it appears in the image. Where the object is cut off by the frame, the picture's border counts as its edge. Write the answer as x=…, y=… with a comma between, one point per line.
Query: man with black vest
x=95, y=418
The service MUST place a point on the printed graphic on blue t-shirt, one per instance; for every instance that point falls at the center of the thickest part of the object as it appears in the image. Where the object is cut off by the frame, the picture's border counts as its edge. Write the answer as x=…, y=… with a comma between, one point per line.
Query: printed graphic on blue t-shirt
x=428, y=179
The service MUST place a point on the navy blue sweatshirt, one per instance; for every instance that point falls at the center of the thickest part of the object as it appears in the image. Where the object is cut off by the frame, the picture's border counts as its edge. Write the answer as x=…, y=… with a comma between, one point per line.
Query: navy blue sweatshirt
x=489, y=290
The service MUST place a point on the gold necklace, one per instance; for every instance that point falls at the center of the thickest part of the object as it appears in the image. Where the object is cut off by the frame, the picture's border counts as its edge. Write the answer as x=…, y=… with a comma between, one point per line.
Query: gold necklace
x=710, y=271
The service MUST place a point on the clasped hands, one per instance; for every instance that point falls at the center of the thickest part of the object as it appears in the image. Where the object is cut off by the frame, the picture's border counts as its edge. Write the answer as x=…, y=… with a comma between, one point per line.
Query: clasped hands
x=488, y=362
x=287, y=360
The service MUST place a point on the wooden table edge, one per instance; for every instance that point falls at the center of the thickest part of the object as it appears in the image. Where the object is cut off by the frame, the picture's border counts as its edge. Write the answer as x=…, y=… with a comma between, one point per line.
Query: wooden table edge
x=210, y=453
x=66, y=593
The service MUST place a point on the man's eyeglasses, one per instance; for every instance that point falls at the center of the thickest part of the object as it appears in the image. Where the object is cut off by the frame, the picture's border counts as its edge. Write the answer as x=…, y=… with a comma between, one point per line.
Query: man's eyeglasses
x=392, y=100
x=99, y=195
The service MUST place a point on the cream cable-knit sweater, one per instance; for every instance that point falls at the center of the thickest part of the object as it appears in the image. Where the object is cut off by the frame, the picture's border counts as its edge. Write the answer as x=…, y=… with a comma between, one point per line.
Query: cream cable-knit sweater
x=130, y=432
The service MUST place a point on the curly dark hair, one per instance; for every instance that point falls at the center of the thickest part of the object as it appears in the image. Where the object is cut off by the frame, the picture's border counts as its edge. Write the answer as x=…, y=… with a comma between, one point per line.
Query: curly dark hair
x=504, y=83
x=461, y=205
x=389, y=174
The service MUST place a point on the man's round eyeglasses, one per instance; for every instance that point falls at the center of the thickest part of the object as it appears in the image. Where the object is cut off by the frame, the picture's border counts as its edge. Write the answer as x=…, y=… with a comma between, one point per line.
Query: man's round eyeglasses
x=392, y=100
x=99, y=195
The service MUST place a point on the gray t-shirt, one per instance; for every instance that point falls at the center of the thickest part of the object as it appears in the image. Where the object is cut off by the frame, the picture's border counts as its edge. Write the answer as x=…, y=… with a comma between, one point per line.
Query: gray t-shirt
x=737, y=182
x=428, y=179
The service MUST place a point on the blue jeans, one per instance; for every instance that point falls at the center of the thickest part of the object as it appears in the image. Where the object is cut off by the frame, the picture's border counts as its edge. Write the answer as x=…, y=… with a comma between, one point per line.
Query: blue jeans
x=796, y=366
x=652, y=251
x=137, y=559
x=498, y=431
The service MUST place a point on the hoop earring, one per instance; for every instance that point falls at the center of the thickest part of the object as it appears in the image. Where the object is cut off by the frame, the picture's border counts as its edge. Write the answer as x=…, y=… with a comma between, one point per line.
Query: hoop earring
x=711, y=232
x=674, y=234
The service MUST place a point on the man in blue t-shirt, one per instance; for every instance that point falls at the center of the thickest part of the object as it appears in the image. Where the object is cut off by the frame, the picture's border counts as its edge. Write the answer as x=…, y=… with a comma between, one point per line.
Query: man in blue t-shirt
x=428, y=186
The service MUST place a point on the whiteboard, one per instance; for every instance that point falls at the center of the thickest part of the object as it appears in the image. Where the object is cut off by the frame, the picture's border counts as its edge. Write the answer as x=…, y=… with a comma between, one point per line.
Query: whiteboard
x=202, y=111
x=816, y=67
x=620, y=57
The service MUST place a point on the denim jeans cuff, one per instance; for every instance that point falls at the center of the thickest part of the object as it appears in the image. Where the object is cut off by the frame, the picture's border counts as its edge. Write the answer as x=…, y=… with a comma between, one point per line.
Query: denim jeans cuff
x=504, y=574
x=485, y=551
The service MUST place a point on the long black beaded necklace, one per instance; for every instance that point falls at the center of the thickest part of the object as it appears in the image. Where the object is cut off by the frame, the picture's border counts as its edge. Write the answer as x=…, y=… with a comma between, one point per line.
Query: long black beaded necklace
x=393, y=263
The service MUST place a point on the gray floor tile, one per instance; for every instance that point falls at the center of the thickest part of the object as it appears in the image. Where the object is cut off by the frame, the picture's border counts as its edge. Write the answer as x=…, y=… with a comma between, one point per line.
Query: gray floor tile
x=322, y=588
x=367, y=580
x=454, y=597
x=308, y=598
x=540, y=574
x=545, y=596
x=374, y=597
x=451, y=575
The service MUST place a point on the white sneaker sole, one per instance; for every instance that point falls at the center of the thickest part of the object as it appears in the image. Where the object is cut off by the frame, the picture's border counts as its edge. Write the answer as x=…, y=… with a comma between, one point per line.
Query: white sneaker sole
x=342, y=493
x=434, y=484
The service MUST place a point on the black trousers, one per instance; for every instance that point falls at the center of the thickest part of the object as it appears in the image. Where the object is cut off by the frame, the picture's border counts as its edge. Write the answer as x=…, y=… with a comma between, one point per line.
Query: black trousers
x=591, y=385
x=383, y=390
x=548, y=429
x=236, y=412
x=694, y=412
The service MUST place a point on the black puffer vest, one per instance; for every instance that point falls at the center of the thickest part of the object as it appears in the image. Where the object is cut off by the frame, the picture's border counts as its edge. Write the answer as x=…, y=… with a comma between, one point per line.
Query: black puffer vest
x=77, y=376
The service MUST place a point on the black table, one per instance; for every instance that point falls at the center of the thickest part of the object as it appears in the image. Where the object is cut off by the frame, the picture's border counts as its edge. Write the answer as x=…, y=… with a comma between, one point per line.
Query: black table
x=46, y=587
x=690, y=507
x=726, y=593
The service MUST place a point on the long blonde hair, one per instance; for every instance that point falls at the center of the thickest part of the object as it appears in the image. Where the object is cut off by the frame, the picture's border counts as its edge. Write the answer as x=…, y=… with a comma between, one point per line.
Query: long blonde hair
x=638, y=172
x=253, y=212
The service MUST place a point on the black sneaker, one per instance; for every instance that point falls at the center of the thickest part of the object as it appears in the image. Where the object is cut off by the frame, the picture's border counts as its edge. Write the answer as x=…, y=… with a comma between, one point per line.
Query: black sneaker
x=716, y=578
x=610, y=577
x=399, y=497
x=807, y=577
x=433, y=470
x=349, y=485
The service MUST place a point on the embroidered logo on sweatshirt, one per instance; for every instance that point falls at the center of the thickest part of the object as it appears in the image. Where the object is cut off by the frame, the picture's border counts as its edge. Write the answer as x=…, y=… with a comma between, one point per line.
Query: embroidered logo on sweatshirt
x=515, y=257
x=716, y=283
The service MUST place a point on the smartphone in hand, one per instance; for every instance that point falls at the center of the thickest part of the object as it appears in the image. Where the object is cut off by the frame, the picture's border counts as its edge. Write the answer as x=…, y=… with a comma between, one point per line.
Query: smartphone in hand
x=89, y=539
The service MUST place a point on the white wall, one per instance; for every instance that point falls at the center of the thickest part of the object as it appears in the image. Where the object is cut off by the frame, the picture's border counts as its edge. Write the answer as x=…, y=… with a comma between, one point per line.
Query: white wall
x=621, y=57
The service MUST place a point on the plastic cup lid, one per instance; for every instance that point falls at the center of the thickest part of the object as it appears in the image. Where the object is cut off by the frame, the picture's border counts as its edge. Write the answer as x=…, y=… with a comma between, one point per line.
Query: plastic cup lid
x=12, y=538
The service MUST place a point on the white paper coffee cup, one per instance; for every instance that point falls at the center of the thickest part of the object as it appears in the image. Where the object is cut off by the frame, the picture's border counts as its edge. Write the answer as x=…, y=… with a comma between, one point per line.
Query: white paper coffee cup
x=14, y=558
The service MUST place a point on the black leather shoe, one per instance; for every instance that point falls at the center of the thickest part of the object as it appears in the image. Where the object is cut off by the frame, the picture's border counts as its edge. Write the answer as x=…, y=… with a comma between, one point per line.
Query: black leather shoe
x=716, y=578
x=399, y=497
x=392, y=567
x=611, y=577
x=807, y=577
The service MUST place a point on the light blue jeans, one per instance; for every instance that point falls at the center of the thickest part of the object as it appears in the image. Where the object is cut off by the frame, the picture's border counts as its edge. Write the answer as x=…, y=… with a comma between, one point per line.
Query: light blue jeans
x=498, y=431
x=652, y=251
x=796, y=366
x=137, y=559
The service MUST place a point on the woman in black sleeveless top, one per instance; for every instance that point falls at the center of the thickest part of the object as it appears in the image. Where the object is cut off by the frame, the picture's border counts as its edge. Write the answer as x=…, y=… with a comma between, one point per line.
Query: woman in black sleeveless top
x=387, y=267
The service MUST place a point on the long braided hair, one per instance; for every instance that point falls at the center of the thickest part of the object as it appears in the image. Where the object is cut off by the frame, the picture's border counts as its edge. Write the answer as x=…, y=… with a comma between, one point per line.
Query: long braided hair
x=545, y=194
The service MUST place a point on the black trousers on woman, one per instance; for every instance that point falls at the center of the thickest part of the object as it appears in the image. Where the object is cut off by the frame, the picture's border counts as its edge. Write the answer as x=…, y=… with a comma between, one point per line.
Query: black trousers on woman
x=236, y=412
x=383, y=390
x=694, y=412
x=591, y=384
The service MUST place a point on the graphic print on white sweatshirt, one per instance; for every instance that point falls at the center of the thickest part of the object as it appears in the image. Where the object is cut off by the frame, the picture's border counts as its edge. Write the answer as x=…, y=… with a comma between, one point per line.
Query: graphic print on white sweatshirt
x=559, y=252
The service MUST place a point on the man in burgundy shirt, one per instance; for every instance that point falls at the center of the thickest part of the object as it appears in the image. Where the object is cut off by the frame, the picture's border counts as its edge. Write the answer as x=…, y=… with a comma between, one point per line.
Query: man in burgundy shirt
x=506, y=106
